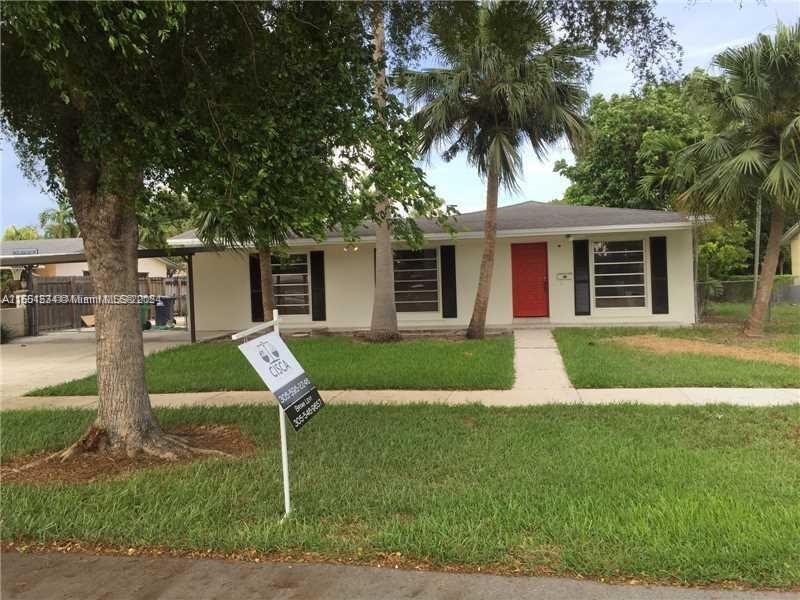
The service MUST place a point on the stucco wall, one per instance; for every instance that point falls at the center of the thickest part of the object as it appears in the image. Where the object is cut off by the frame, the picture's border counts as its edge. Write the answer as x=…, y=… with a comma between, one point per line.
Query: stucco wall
x=795, y=254
x=222, y=286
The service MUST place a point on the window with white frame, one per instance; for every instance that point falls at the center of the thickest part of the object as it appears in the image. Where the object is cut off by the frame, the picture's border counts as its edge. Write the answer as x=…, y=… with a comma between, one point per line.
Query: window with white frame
x=416, y=280
x=290, y=280
x=619, y=275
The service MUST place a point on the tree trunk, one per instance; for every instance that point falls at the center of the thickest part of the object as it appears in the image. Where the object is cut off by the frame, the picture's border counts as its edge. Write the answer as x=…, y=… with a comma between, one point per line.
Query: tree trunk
x=477, y=324
x=755, y=324
x=267, y=297
x=384, y=313
x=125, y=421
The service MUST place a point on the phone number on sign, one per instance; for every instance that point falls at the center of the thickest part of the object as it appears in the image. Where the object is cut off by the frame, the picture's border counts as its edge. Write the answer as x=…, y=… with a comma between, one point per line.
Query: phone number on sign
x=295, y=390
x=307, y=413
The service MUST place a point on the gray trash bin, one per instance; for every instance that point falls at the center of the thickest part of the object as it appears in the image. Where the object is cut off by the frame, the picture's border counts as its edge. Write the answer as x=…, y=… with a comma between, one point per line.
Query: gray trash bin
x=165, y=311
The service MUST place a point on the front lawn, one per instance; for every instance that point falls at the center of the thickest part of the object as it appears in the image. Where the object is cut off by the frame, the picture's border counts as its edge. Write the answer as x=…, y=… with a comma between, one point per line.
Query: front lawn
x=333, y=363
x=680, y=494
x=784, y=318
x=596, y=357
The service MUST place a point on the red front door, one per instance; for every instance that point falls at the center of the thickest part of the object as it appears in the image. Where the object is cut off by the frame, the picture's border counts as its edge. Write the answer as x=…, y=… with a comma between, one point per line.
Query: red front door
x=529, y=280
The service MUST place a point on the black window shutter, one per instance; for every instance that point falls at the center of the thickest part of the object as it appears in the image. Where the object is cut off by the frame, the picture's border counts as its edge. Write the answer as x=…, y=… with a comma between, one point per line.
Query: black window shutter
x=658, y=275
x=256, y=307
x=318, y=285
x=580, y=275
x=447, y=268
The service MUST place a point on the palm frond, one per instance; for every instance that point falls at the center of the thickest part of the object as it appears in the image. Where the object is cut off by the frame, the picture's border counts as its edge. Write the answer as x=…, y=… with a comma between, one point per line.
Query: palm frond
x=508, y=84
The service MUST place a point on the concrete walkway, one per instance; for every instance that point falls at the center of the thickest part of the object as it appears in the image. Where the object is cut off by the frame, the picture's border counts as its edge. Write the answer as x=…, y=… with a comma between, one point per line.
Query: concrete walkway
x=538, y=363
x=71, y=576
x=499, y=398
x=541, y=379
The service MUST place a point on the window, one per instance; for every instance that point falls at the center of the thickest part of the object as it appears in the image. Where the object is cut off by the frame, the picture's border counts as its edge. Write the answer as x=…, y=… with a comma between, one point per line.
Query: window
x=416, y=280
x=618, y=274
x=290, y=284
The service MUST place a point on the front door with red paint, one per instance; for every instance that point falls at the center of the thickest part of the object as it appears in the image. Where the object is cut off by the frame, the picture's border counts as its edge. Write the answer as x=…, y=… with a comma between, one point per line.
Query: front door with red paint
x=529, y=280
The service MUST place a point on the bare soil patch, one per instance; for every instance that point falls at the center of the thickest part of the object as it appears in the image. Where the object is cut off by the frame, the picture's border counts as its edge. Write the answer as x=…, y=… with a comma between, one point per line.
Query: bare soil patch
x=86, y=467
x=666, y=345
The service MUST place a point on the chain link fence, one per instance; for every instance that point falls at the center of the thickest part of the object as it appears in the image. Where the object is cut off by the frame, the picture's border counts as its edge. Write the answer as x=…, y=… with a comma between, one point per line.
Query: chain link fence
x=786, y=290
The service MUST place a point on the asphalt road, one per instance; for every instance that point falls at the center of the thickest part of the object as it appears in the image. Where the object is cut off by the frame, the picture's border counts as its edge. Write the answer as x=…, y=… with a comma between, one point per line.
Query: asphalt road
x=80, y=577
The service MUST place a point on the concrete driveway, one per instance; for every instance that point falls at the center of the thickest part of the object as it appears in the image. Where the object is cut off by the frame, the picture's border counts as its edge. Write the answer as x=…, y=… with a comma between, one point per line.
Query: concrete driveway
x=28, y=363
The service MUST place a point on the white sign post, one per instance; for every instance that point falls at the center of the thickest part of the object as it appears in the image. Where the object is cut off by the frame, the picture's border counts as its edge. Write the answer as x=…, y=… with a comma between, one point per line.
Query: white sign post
x=280, y=370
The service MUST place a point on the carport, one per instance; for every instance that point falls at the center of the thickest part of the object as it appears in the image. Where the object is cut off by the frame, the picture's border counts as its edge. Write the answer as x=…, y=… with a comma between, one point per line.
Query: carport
x=23, y=264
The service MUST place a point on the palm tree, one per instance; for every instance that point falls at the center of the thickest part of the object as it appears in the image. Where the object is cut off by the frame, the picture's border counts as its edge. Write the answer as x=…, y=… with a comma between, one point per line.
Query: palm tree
x=755, y=154
x=59, y=222
x=504, y=82
x=26, y=232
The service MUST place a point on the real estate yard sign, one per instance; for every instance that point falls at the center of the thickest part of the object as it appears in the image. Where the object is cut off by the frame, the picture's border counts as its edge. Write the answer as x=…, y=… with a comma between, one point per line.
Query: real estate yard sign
x=276, y=365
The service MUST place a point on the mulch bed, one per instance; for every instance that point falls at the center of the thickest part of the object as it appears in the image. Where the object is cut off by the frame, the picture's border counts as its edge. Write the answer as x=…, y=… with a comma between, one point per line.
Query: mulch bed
x=92, y=466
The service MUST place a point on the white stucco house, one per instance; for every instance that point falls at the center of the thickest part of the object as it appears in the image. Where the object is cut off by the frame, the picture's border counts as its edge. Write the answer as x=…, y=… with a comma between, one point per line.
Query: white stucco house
x=792, y=239
x=556, y=264
x=47, y=247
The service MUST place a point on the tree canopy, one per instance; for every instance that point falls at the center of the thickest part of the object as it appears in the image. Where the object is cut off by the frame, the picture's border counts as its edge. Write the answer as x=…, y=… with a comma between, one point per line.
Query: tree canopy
x=633, y=137
x=504, y=84
x=252, y=112
x=26, y=232
x=753, y=155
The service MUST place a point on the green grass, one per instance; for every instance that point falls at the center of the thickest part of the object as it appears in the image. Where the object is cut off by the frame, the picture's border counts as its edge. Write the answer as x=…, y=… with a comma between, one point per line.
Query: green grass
x=683, y=494
x=592, y=360
x=332, y=363
x=784, y=318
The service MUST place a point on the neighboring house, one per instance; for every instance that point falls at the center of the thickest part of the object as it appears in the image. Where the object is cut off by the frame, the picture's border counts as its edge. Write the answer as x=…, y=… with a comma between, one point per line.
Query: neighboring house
x=792, y=237
x=148, y=267
x=554, y=264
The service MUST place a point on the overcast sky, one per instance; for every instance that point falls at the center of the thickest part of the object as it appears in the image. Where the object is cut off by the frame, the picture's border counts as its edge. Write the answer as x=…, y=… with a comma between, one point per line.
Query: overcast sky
x=702, y=28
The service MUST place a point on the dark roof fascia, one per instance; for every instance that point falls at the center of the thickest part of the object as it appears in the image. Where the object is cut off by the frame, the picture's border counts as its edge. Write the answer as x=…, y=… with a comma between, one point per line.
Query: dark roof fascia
x=53, y=259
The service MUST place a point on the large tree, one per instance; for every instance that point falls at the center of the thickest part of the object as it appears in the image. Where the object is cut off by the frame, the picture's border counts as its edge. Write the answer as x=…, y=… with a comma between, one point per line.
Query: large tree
x=262, y=172
x=299, y=164
x=754, y=153
x=115, y=99
x=402, y=33
x=505, y=84
x=633, y=136
x=397, y=29
x=75, y=80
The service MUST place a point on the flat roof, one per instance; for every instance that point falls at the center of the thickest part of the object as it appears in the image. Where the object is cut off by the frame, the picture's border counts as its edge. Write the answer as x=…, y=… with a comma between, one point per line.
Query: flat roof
x=47, y=251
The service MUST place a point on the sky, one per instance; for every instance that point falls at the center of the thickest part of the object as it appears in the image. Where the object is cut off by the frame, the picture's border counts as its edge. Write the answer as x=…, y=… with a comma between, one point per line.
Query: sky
x=702, y=28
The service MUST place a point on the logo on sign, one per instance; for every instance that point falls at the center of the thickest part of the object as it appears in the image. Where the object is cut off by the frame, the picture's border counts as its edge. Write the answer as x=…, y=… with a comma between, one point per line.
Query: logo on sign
x=270, y=355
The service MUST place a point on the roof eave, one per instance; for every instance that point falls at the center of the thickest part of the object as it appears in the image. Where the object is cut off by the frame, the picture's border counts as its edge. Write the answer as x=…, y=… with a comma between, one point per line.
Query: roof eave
x=467, y=235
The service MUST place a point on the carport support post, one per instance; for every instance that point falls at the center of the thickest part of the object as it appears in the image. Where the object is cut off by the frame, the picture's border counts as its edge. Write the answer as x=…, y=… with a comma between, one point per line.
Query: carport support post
x=192, y=332
x=287, y=502
x=31, y=308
